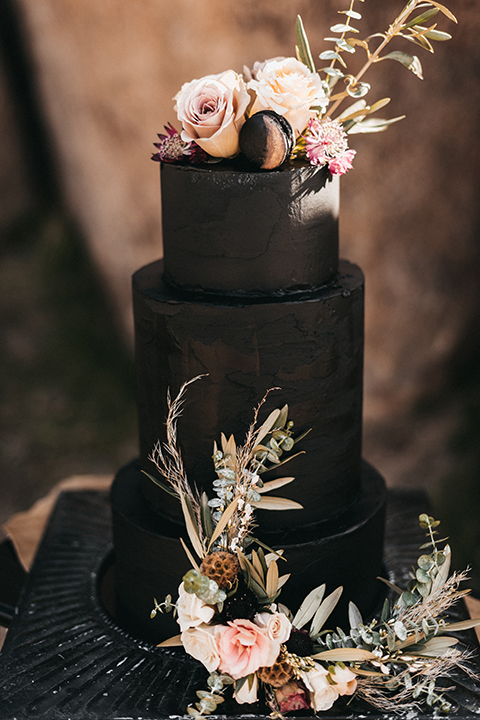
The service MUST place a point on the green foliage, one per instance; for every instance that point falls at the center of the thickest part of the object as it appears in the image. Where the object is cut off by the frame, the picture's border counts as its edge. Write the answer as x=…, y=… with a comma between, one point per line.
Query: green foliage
x=406, y=26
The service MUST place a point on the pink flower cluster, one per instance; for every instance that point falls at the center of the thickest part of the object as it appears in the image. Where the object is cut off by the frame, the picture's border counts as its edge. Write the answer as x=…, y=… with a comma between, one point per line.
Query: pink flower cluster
x=326, y=144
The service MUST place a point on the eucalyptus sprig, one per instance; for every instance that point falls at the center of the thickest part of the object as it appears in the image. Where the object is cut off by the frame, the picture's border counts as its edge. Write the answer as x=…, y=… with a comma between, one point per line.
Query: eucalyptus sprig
x=414, y=28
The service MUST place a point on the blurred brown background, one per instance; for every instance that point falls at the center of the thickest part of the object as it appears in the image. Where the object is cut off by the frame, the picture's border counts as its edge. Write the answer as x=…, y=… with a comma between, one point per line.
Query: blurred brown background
x=84, y=88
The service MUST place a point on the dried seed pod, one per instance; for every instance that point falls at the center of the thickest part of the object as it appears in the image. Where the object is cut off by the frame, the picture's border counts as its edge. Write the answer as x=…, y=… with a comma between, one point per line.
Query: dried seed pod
x=277, y=675
x=267, y=139
x=222, y=567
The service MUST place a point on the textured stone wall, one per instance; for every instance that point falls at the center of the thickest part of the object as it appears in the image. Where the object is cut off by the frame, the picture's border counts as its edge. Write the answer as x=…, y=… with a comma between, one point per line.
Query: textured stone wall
x=106, y=73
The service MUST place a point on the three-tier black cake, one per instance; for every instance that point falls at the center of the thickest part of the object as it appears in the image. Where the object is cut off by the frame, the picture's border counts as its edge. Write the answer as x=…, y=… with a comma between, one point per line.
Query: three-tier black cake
x=251, y=294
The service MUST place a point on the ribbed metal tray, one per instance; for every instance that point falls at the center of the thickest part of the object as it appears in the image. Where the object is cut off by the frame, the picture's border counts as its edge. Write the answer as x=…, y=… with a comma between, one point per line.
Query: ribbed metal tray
x=65, y=657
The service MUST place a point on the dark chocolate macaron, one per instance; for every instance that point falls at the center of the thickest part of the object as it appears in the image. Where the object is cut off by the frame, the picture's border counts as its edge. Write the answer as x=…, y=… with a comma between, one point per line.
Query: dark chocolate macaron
x=267, y=139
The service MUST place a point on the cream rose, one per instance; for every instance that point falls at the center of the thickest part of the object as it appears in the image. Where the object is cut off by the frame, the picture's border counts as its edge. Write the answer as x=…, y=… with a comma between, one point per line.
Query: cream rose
x=289, y=88
x=322, y=694
x=345, y=680
x=200, y=642
x=191, y=610
x=246, y=694
x=277, y=625
x=244, y=647
x=212, y=111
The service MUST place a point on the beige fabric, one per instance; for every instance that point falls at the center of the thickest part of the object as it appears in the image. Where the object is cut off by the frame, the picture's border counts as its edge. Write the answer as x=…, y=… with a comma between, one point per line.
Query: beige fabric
x=26, y=528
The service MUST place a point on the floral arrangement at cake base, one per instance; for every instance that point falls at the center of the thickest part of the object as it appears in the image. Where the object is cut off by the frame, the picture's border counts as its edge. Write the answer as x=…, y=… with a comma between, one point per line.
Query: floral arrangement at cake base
x=287, y=108
x=229, y=607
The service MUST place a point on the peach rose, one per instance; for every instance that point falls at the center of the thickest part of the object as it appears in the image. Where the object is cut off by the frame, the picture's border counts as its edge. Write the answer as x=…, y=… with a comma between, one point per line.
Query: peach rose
x=200, y=642
x=212, y=111
x=244, y=647
x=277, y=625
x=246, y=694
x=289, y=88
x=345, y=680
x=291, y=696
x=322, y=694
x=191, y=610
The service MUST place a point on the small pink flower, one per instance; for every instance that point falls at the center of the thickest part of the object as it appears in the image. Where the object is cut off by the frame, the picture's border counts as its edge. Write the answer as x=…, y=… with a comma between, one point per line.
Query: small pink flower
x=244, y=647
x=291, y=696
x=172, y=149
x=341, y=164
x=326, y=144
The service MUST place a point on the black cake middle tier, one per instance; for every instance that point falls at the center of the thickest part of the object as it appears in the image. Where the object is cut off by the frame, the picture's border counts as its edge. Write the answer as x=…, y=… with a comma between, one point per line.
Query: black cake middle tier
x=309, y=345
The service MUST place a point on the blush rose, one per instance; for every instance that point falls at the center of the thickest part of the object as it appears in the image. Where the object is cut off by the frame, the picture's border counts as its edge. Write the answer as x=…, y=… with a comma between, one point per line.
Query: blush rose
x=244, y=647
x=277, y=625
x=288, y=87
x=200, y=642
x=322, y=693
x=345, y=680
x=212, y=112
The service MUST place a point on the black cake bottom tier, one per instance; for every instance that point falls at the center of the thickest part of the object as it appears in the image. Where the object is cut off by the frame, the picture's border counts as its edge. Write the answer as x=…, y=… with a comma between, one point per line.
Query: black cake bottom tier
x=150, y=561
x=309, y=347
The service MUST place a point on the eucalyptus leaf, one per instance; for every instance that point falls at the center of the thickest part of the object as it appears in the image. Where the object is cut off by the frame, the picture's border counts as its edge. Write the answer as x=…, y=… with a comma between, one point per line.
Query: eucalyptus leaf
x=333, y=72
x=309, y=606
x=344, y=45
x=342, y=28
x=359, y=90
x=351, y=13
x=329, y=55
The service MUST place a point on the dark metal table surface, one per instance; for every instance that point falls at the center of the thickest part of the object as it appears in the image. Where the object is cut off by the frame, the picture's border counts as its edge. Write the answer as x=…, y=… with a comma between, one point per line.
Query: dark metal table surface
x=65, y=657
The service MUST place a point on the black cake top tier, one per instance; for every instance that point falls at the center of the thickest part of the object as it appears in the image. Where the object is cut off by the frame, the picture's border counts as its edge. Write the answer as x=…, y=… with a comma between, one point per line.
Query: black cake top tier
x=230, y=230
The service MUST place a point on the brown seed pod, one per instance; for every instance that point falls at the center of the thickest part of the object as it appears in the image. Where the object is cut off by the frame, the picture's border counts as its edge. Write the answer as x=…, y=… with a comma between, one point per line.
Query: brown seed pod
x=277, y=675
x=222, y=567
x=267, y=139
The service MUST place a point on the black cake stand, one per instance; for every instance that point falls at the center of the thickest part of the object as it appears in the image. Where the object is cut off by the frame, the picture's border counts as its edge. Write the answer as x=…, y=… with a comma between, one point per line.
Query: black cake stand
x=65, y=657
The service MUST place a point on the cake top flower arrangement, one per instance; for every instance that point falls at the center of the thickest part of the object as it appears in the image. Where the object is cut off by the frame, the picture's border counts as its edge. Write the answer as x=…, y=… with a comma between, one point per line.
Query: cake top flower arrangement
x=231, y=618
x=285, y=108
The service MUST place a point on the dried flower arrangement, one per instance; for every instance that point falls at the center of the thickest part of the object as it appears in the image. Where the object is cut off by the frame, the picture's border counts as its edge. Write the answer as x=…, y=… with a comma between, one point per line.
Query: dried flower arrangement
x=285, y=108
x=231, y=619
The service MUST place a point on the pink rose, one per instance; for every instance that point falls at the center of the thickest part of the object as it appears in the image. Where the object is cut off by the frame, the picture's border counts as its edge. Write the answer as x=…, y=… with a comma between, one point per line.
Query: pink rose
x=277, y=625
x=322, y=694
x=244, y=647
x=342, y=163
x=212, y=111
x=289, y=88
x=345, y=680
x=291, y=696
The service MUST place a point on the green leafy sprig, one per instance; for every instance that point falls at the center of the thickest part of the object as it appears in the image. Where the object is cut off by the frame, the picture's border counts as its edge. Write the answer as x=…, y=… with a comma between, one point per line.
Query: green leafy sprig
x=414, y=28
